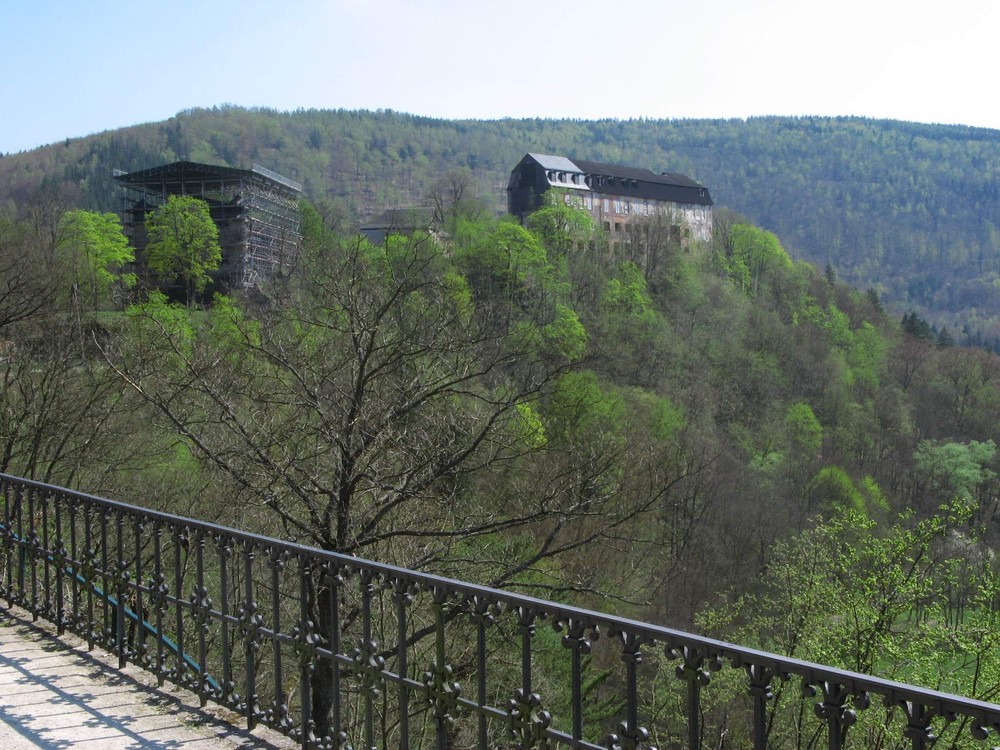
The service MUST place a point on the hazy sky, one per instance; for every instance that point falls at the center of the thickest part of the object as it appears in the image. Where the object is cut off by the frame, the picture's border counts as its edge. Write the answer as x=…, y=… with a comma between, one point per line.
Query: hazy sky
x=73, y=67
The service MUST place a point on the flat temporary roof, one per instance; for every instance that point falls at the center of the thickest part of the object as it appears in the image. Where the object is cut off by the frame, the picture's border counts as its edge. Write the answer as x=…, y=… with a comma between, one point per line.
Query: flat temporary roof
x=211, y=175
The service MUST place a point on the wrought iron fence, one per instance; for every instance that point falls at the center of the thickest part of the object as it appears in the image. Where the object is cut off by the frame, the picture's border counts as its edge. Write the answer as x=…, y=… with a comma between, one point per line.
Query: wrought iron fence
x=337, y=652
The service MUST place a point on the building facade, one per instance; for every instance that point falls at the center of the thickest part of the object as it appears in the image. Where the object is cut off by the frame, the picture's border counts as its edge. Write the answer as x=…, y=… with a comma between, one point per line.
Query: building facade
x=614, y=196
x=256, y=211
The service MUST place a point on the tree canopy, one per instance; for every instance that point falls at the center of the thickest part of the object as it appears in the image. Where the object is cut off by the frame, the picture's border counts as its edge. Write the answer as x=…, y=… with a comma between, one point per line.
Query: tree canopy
x=183, y=244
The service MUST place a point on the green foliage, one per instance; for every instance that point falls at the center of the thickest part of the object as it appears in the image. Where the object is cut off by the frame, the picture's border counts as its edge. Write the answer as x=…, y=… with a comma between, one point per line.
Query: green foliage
x=565, y=335
x=93, y=249
x=529, y=427
x=753, y=256
x=916, y=326
x=873, y=495
x=805, y=434
x=955, y=470
x=459, y=292
x=668, y=419
x=626, y=294
x=229, y=325
x=157, y=318
x=183, y=244
x=509, y=256
x=560, y=226
x=868, y=356
x=831, y=489
x=881, y=600
x=580, y=405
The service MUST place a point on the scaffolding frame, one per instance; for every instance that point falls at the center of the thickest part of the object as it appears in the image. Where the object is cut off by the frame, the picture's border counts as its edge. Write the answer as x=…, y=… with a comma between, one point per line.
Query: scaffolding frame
x=256, y=211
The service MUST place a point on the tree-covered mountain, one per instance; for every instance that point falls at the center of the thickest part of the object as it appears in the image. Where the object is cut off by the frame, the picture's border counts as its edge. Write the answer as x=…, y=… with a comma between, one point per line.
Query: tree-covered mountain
x=910, y=210
x=688, y=434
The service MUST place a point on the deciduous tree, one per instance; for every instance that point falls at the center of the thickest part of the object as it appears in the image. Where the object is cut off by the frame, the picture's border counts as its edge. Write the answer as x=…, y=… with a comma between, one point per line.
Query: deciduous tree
x=93, y=250
x=183, y=244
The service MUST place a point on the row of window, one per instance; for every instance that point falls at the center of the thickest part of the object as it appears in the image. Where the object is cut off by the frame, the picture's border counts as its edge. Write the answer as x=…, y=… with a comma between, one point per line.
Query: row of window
x=556, y=177
x=623, y=206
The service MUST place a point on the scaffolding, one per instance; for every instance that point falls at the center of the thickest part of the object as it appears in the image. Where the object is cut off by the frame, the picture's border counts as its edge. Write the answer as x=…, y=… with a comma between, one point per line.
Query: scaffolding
x=256, y=211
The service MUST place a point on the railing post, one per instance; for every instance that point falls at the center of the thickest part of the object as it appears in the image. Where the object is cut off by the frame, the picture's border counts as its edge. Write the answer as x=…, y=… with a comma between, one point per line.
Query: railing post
x=279, y=705
x=305, y=639
x=250, y=622
x=158, y=592
x=201, y=609
x=59, y=559
x=224, y=548
x=402, y=594
x=631, y=735
x=483, y=613
x=122, y=577
x=529, y=720
x=579, y=645
x=761, y=692
x=367, y=663
x=833, y=708
x=443, y=692
x=181, y=540
x=334, y=580
x=140, y=654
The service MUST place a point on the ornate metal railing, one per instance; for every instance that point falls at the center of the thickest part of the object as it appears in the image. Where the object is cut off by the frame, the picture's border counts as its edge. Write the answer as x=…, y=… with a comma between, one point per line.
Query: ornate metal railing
x=337, y=651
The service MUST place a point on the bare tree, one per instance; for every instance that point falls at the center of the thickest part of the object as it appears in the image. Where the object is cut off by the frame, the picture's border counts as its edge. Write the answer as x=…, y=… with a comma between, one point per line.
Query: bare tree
x=28, y=275
x=379, y=415
x=453, y=193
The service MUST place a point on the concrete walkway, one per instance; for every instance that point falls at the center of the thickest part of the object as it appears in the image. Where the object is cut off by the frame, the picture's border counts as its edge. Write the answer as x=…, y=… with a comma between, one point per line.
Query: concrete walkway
x=54, y=694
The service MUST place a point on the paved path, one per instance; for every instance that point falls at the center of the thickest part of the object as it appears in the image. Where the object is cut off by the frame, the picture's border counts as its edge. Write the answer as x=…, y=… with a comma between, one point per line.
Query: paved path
x=54, y=694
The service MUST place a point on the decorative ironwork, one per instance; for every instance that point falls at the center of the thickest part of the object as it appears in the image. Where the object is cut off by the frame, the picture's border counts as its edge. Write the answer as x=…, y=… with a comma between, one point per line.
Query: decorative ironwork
x=919, y=717
x=326, y=648
x=529, y=722
x=833, y=708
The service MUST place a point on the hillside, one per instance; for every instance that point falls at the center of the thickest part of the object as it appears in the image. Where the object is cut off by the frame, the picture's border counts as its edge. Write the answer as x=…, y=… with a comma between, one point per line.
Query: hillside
x=908, y=209
x=706, y=435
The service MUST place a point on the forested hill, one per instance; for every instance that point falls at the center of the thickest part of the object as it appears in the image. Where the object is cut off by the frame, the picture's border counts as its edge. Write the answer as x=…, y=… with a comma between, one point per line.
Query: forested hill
x=911, y=210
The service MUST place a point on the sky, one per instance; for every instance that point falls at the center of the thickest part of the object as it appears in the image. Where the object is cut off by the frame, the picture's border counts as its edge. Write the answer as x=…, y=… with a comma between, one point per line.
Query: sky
x=69, y=68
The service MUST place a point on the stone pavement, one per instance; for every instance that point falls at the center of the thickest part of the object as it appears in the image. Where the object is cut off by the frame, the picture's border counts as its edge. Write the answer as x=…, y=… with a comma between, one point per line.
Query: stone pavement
x=54, y=694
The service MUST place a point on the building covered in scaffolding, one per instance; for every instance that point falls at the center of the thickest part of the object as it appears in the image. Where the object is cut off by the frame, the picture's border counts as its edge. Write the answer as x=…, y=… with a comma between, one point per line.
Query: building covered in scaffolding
x=256, y=211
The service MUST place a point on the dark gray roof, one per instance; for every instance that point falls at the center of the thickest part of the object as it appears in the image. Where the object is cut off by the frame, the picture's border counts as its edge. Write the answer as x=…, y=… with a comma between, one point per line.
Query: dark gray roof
x=633, y=173
x=612, y=179
x=560, y=163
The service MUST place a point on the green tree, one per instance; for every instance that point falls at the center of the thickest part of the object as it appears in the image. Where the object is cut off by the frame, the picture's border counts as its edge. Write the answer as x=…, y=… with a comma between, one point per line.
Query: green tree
x=183, y=244
x=751, y=255
x=558, y=225
x=93, y=250
x=955, y=469
x=910, y=601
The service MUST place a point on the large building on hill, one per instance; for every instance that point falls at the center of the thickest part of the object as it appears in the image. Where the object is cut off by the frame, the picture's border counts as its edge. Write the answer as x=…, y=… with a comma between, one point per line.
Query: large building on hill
x=256, y=211
x=615, y=196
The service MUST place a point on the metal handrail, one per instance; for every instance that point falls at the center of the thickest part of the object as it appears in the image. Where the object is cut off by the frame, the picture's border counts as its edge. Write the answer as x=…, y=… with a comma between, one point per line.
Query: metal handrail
x=338, y=651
